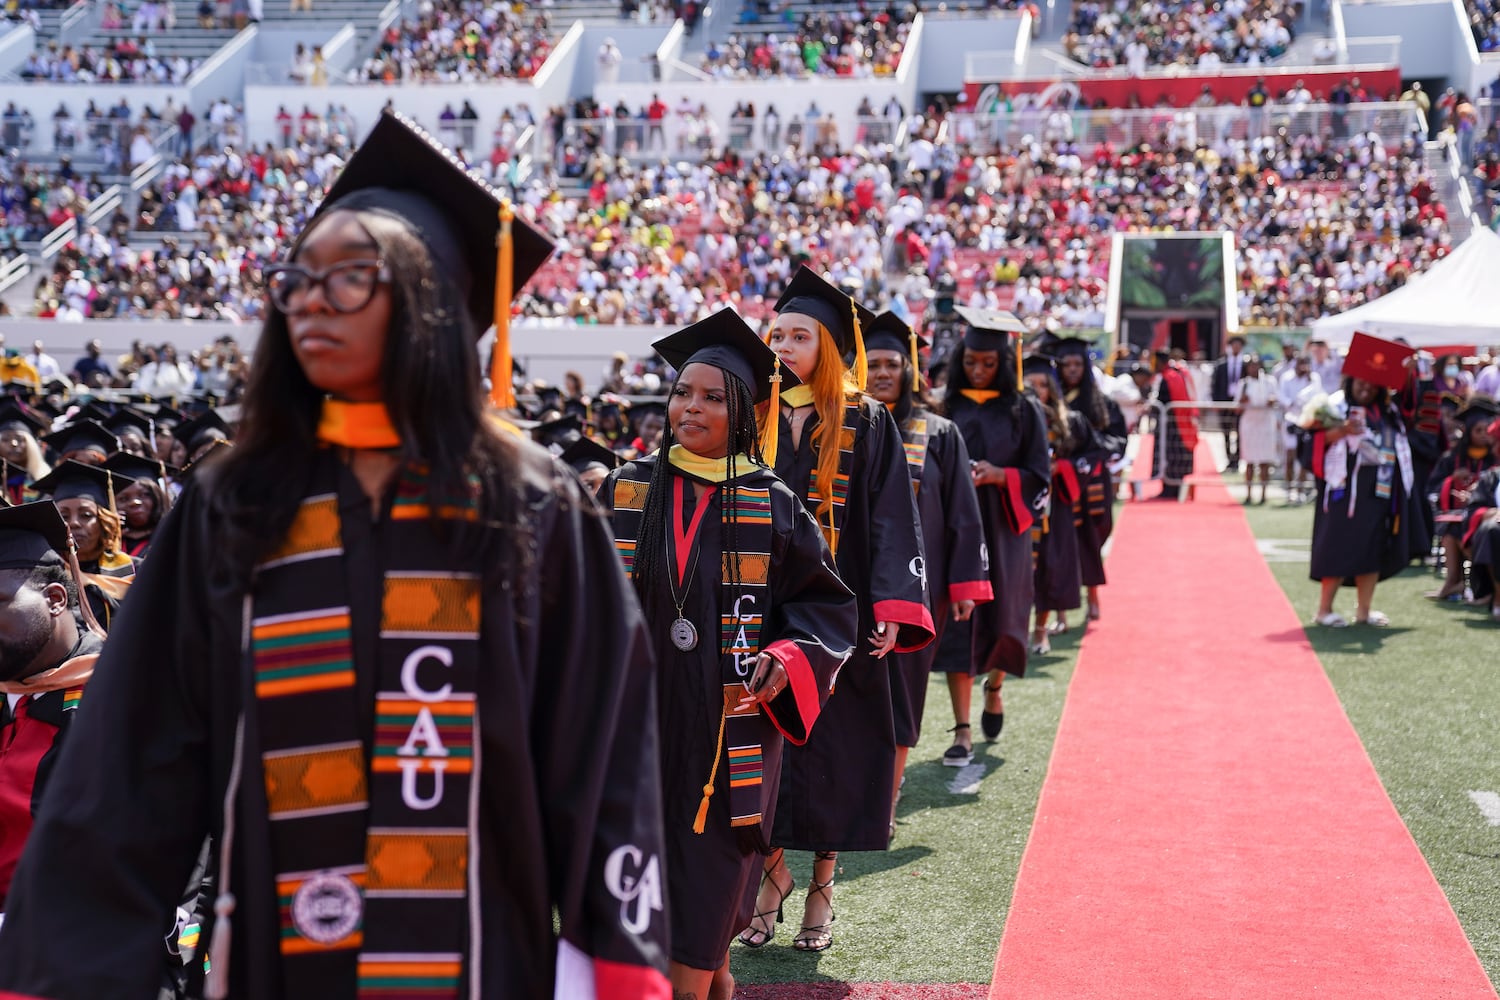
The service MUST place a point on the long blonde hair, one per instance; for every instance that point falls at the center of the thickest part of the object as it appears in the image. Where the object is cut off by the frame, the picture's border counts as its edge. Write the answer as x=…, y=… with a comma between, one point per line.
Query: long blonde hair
x=832, y=386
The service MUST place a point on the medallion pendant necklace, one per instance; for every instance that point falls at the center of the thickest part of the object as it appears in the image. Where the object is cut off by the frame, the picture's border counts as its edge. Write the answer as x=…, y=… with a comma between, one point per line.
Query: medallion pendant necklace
x=682, y=632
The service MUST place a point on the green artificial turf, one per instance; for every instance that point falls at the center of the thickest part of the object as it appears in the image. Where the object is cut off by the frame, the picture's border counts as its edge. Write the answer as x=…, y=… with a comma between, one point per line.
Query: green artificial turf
x=1424, y=696
x=932, y=908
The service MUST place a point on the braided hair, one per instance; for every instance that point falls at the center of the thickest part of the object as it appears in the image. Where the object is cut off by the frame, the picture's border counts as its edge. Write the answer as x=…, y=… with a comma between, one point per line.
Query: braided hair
x=651, y=548
x=1090, y=401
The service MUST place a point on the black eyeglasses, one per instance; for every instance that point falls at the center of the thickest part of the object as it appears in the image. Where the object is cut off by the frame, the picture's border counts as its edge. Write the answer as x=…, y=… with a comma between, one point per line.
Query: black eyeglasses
x=348, y=286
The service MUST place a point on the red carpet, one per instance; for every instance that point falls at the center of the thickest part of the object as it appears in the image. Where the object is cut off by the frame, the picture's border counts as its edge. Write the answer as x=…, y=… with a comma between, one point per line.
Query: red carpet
x=1211, y=826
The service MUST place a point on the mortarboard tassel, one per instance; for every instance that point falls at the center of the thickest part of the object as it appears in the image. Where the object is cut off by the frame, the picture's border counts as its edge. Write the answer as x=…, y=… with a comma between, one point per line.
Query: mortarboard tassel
x=861, y=363
x=770, y=431
x=916, y=364
x=502, y=391
x=701, y=820
x=1020, y=381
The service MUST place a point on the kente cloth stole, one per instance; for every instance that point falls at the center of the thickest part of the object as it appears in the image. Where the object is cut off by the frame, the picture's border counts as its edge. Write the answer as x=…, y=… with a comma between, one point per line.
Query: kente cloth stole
x=743, y=607
x=914, y=440
x=373, y=851
x=832, y=523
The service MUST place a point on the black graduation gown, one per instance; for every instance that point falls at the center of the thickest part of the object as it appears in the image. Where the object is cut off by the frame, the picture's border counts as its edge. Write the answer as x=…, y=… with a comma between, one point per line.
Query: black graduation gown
x=1451, y=471
x=1181, y=436
x=1376, y=538
x=106, y=587
x=1057, y=577
x=1422, y=407
x=1482, y=533
x=710, y=878
x=569, y=743
x=836, y=790
x=1096, y=508
x=954, y=564
x=1009, y=433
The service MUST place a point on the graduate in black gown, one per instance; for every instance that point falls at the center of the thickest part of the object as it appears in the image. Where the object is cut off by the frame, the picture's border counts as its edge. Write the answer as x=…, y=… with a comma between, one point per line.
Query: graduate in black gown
x=85, y=496
x=1481, y=538
x=382, y=652
x=1421, y=403
x=20, y=451
x=1056, y=578
x=1363, y=471
x=142, y=502
x=1006, y=434
x=1451, y=480
x=1177, y=438
x=1095, y=509
x=954, y=557
x=841, y=452
x=749, y=621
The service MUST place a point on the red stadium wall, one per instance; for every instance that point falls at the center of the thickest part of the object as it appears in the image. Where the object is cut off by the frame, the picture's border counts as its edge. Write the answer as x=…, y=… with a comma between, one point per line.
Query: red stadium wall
x=1182, y=91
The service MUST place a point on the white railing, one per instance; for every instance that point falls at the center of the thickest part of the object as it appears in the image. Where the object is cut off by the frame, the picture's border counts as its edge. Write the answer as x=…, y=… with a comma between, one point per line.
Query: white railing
x=1458, y=175
x=641, y=140
x=60, y=237
x=104, y=205
x=1373, y=50
x=1392, y=122
x=14, y=271
x=71, y=17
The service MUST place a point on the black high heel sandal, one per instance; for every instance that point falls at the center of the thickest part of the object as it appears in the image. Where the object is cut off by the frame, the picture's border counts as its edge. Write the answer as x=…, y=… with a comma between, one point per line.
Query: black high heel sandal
x=818, y=937
x=769, y=934
x=990, y=723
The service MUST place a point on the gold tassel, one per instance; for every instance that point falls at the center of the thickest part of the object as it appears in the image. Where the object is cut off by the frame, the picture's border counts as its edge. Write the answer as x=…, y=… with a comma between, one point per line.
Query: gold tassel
x=861, y=363
x=502, y=392
x=916, y=364
x=770, y=429
x=701, y=820
x=1020, y=382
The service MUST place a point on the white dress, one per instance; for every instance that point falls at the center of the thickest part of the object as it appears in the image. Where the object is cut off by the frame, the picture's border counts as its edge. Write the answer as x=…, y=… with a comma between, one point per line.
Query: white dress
x=1260, y=424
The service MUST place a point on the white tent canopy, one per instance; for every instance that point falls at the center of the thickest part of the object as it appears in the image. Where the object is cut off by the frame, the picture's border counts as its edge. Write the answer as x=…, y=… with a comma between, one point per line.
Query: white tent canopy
x=1456, y=301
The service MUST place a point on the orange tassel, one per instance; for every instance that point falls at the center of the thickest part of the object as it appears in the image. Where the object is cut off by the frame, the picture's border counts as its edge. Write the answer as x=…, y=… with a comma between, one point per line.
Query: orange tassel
x=770, y=429
x=701, y=820
x=861, y=363
x=502, y=392
x=916, y=365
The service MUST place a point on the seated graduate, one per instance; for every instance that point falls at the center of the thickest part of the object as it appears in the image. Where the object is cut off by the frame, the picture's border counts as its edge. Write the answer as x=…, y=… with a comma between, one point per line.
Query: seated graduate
x=1482, y=531
x=749, y=621
x=20, y=451
x=46, y=659
x=142, y=502
x=382, y=652
x=85, y=496
x=1451, y=481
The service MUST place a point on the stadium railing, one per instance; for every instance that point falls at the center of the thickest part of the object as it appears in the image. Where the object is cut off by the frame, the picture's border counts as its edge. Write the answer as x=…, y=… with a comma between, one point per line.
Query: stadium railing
x=1392, y=121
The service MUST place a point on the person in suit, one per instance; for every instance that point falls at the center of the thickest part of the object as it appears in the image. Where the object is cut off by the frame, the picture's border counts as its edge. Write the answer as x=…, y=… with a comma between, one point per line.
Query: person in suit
x=1224, y=388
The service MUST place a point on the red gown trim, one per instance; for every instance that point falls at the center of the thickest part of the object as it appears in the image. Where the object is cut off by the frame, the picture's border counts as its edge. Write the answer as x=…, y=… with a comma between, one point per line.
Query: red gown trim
x=804, y=687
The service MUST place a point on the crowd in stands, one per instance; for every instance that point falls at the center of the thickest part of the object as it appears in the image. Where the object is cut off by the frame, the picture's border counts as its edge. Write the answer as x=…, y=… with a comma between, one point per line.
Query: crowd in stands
x=128, y=60
x=856, y=44
x=462, y=40
x=1484, y=22
x=1322, y=223
x=1155, y=33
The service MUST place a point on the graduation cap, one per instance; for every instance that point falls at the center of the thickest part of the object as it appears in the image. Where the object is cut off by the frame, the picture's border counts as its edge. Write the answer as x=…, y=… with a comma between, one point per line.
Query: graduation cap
x=991, y=330
x=1479, y=409
x=96, y=410
x=74, y=480
x=586, y=453
x=1037, y=363
x=127, y=417
x=1379, y=362
x=726, y=341
x=555, y=435
x=649, y=408
x=199, y=431
x=844, y=318
x=32, y=534
x=16, y=413
x=474, y=238
x=889, y=332
x=137, y=469
x=83, y=435
x=1069, y=347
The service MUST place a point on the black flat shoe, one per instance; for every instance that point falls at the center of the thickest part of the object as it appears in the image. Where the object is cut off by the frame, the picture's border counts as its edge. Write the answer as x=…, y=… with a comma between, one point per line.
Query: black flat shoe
x=990, y=723
x=958, y=755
